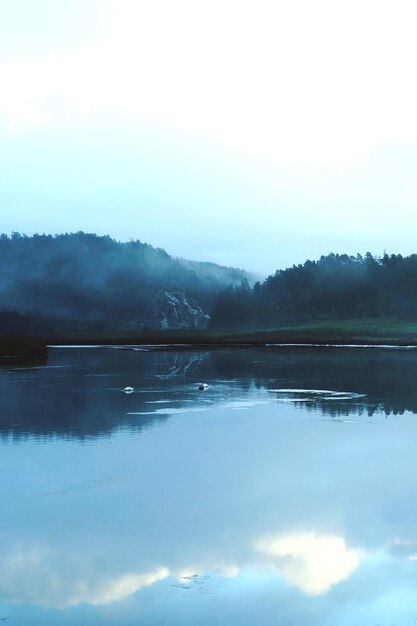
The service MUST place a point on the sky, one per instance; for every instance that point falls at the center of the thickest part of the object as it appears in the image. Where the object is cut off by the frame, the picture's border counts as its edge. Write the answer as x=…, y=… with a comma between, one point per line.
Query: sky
x=252, y=134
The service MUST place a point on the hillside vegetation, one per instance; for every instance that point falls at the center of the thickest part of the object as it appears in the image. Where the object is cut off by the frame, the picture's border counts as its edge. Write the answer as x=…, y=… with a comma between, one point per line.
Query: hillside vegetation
x=336, y=287
x=80, y=280
x=83, y=285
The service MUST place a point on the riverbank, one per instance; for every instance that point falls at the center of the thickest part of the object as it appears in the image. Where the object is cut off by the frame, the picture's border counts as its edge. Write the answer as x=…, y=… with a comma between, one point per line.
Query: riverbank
x=345, y=332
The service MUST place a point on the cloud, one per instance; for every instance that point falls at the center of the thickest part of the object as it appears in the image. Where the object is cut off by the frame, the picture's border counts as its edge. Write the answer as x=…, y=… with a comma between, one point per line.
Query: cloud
x=281, y=80
x=312, y=563
x=43, y=578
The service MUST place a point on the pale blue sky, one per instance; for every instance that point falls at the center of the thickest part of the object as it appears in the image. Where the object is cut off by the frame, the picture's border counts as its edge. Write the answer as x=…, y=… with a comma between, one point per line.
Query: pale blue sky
x=250, y=134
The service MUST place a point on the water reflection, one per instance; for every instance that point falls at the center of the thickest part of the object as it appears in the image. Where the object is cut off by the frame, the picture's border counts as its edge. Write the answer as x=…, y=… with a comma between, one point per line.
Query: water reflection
x=244, y=504
x=385, y=377
x=310, y=562
x=78, y=393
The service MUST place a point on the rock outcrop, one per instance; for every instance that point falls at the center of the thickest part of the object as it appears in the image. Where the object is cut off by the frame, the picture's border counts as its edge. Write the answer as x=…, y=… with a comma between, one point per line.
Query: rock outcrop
x=178, y=310
x=171, y=309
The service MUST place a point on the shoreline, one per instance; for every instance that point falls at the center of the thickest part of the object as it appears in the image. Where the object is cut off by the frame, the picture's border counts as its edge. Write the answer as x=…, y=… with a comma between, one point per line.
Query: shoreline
x=373, y=333
x=206, y=346
x=344, y=333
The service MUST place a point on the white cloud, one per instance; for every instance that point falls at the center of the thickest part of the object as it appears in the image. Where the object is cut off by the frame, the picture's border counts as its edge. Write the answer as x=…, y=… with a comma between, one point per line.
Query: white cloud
x=40, y=577
x=319, y=82
x=124, y=586
x=312, y=563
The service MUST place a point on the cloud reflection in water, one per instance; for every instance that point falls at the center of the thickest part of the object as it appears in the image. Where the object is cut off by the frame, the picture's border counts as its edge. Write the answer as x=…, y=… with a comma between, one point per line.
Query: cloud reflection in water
x=269, y=502
x=310, y=562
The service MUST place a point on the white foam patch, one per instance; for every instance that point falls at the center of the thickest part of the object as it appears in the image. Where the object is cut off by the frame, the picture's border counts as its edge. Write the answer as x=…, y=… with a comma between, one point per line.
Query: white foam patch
x=372, y=346
x=242, y=404
x=76, y=346
x=344, y=397
x=295, y=400
x=167, y=411
x=326, y=394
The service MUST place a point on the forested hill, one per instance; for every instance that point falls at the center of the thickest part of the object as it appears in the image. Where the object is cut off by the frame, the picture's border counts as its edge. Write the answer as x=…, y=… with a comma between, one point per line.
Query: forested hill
x=218, y=273
x=334, y=287
x=84, y=279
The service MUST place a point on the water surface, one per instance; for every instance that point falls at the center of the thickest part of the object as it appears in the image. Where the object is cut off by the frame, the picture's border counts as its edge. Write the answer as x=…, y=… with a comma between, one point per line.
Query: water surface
x=285, y=494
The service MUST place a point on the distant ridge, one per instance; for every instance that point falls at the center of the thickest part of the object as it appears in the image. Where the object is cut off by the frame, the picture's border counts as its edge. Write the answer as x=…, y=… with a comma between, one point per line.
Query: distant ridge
x=231, y=276
x=76, y=280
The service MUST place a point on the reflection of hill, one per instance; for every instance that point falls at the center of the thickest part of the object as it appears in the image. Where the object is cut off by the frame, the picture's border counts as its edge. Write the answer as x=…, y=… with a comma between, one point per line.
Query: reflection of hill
x=387, y=377
x=78, y=393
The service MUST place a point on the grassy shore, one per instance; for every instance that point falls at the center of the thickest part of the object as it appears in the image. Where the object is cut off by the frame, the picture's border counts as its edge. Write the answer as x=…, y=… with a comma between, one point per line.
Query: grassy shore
x=370, y=331
x=345, y=332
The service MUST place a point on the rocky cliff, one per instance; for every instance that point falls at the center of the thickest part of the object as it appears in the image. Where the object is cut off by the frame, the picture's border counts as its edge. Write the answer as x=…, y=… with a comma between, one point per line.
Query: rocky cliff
x=178, y=310
x=171, y=309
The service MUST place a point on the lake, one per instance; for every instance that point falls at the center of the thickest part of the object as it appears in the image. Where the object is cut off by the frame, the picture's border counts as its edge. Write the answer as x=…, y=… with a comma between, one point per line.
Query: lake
x=284, y=495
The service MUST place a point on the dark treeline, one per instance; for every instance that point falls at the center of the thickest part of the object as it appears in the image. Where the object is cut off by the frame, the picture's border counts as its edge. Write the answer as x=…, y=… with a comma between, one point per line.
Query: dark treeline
x=335, y=287
x=88, y=282
x=84, y=280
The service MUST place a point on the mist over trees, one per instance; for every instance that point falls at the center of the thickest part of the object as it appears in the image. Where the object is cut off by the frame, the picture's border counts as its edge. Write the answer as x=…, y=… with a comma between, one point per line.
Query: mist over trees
x=334, y=287
x=76, y=281
x=83, y=279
